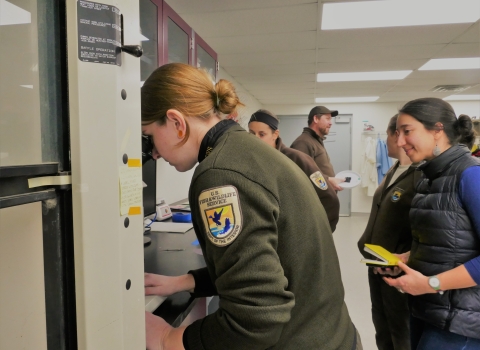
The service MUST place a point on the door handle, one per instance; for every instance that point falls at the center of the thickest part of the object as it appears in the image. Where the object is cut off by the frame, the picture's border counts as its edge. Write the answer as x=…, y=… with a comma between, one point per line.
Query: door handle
x=134, y=50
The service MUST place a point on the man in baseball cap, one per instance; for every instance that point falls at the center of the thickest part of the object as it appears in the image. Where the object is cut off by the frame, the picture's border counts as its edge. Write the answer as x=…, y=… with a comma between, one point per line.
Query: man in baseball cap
x=311, y=139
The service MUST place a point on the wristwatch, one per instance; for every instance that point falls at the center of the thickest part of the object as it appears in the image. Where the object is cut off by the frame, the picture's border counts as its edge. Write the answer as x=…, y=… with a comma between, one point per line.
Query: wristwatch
x=434, y=282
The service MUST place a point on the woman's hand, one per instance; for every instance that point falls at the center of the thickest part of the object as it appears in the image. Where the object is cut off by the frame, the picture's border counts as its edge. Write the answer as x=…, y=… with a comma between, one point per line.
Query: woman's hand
x=156, y=330
x=166, y=285
x=413, y=282
x=396, y=270
x=160, y=335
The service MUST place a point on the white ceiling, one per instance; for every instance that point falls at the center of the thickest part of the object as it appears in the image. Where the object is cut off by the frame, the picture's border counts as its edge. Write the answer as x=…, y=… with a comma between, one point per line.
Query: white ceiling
x=275, y=48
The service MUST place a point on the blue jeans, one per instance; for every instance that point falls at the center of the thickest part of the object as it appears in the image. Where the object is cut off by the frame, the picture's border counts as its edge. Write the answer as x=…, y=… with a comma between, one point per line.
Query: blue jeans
x=427, y=337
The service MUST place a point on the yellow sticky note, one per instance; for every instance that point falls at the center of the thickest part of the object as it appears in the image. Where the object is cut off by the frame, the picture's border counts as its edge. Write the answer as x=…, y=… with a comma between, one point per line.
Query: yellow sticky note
x=134, y=163
x=134, y=211
x=130, y=182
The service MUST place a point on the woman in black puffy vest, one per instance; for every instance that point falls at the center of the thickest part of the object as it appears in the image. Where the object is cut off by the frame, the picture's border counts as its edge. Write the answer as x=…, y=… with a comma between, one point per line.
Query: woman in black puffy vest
x=443, y=272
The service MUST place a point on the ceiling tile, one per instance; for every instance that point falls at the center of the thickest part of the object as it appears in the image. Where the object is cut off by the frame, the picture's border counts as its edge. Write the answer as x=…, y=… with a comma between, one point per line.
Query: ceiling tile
x=369, y=66
x=393, y=36
x=379, y=53
x=281, y=92
x=468, y=75
x=266, y=58
x=471, y=35
x=284, y=100
x=263, y=43
x=189, y=6
x=262, y=85
x=252, y=22
x=460, y=50
x=275, y=78
x=273, y=69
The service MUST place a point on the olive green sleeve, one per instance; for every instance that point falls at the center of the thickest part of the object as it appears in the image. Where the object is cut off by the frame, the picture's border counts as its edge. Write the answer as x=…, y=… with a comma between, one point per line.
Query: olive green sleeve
x=254, y=301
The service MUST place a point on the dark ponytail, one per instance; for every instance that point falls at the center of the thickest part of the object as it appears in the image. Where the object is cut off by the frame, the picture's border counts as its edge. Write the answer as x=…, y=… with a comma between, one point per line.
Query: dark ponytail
x=464, y=128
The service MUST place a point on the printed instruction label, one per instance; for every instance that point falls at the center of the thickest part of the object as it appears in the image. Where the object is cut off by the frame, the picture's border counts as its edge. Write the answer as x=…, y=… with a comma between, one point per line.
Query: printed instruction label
x=99, y=33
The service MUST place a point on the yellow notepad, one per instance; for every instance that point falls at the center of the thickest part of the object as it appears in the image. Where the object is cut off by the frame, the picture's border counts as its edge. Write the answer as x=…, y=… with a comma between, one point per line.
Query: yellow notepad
x=385, y=257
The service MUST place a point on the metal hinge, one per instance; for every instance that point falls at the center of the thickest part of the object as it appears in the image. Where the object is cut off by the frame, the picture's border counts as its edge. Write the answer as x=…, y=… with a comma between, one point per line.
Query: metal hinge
x=217, y=66
x=191, y=43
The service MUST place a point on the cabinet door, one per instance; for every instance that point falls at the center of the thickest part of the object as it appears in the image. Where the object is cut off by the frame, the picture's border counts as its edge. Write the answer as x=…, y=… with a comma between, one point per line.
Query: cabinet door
x=177, y=36
x=205, y=57
x=151, y=36
x=37, y=289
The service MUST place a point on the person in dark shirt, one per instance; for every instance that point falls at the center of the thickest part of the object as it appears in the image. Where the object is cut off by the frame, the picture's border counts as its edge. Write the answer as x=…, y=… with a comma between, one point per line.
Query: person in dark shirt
x=276, y=273
x=264, y=125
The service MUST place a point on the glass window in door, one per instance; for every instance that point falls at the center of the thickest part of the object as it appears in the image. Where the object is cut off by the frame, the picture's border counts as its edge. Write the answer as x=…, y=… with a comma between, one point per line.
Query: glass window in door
x=149, y=38
x=178, y=43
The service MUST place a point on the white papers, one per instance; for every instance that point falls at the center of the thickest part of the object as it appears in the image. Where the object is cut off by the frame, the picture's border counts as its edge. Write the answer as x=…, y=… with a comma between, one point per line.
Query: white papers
x=179, y=227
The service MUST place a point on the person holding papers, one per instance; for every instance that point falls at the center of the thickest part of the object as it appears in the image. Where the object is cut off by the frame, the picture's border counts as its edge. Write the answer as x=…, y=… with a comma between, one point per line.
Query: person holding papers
x=443, y=272
x=264, y=235
x=389, y=227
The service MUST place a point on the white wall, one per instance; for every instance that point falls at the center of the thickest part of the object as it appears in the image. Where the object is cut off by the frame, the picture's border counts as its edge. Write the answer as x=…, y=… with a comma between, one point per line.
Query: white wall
x=172, y=185
x=378, y=115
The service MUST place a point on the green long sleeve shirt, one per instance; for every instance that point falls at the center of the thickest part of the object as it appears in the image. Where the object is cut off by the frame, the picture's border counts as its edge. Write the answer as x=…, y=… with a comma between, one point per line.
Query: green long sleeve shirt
x=269, y=253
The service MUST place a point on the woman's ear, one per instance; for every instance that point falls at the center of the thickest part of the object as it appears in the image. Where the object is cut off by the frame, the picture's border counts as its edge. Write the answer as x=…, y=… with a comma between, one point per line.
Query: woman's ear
x=277, y=133
x=177, y=120
x=438, y=131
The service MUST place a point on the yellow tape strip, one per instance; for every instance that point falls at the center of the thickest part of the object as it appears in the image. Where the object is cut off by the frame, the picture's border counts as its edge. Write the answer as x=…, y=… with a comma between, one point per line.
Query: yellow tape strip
x=135, y=211
x=50, y=181
x=133, y=163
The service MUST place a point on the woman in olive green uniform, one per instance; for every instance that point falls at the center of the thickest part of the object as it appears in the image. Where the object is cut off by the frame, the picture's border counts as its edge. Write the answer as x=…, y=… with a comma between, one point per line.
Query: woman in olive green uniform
x=389, y=227
x=264, y=125
x=276, y=273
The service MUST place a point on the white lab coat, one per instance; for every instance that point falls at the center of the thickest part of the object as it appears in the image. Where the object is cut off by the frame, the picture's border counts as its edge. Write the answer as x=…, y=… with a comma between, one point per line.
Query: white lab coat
x=369, y=167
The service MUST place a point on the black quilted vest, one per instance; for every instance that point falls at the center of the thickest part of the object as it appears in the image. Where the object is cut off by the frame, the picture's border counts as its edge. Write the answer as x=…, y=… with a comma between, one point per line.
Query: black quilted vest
x=444, y=238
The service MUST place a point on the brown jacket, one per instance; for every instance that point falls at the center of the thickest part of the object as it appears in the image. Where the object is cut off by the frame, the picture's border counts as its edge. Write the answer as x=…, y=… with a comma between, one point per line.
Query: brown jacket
x=389, y=224
x=310, y=143
x=325, y=193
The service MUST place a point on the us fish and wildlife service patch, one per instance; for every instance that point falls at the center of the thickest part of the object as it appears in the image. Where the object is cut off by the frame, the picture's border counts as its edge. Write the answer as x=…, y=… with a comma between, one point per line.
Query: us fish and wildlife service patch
x=397, y=193
x=221, y=214
x=318, y=180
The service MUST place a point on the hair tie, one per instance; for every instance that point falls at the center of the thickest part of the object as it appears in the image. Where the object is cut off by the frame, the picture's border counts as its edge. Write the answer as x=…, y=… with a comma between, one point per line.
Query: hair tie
x=217, y=100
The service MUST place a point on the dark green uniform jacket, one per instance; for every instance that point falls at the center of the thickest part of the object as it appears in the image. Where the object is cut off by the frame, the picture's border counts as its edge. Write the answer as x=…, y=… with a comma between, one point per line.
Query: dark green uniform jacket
x=273, y=263
x=310, y=143
x=326, y=194
x=389, y=224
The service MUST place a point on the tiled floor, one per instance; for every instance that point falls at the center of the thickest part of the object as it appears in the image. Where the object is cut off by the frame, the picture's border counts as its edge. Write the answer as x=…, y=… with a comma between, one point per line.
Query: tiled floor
x=354, y=276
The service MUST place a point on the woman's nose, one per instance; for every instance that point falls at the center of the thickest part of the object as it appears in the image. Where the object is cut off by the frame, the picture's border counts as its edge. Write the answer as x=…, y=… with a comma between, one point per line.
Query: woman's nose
x=400, y=140
x=155, y=154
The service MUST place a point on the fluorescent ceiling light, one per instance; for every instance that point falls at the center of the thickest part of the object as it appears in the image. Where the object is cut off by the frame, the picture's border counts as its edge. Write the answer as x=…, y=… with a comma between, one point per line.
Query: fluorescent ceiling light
x=398, y=13
x=462, y=97
x=452, y=63
x=27, y=86
x=12, y=14
x=346, y=99
x=363, y=76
